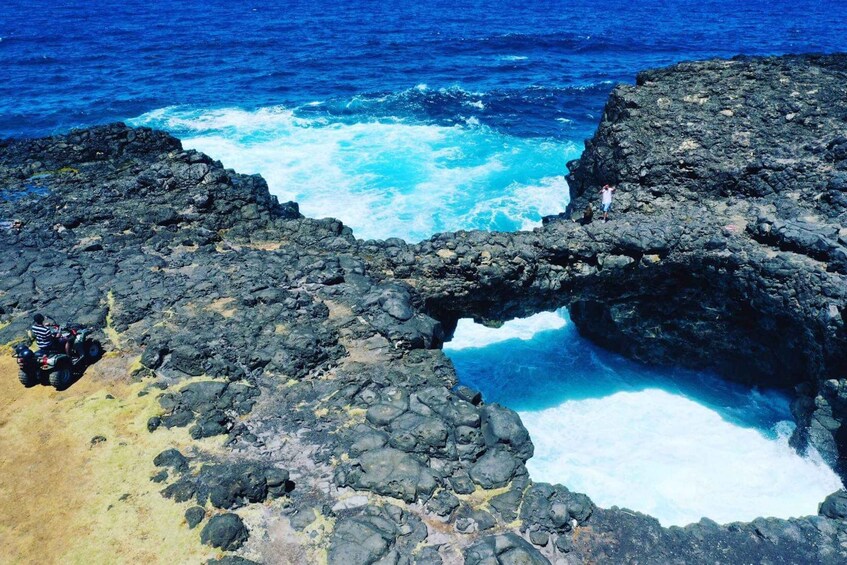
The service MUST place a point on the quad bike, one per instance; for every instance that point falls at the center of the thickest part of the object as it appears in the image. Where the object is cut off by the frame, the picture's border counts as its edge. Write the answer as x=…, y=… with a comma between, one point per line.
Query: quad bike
x=55, y=365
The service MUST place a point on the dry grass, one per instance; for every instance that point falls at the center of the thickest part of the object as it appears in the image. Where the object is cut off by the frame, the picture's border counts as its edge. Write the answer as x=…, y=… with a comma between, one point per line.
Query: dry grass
x=66, y=500
x=223, y=306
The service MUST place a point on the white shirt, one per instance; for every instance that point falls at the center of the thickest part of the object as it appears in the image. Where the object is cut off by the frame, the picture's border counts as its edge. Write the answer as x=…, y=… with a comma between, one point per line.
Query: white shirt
x=607, y=195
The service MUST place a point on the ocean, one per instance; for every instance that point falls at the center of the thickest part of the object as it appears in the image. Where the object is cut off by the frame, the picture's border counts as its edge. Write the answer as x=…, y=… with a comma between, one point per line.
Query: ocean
x=406, y=119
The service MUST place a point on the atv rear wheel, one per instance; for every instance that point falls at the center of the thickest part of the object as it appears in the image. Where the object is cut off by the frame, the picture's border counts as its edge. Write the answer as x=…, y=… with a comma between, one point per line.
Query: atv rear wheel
x=27, y=379
x=93, y=351
x=61, y=376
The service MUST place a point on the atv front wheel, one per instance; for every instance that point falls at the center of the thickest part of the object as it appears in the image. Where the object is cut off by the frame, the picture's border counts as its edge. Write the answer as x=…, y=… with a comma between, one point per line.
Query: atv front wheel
x=61, y=376
x=27, y=379
x=93, y=351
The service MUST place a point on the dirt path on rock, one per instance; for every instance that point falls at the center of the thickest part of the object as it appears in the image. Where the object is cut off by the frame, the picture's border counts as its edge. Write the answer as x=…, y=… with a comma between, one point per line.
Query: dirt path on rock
x=69, y=496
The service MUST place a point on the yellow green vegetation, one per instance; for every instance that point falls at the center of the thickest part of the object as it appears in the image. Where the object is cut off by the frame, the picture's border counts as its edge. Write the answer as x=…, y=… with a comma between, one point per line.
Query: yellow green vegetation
x=110, y=330
x=66, y=497
x=481, y=496
x=318, y=533
x=62, y=171
x=135, y=365
x=223, y=306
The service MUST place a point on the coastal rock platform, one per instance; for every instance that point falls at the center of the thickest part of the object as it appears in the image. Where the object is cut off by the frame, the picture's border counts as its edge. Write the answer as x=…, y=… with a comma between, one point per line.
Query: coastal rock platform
x=319, y=418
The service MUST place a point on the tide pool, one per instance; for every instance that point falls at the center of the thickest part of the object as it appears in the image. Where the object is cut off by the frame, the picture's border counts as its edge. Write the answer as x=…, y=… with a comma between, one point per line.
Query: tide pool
x=675, y=444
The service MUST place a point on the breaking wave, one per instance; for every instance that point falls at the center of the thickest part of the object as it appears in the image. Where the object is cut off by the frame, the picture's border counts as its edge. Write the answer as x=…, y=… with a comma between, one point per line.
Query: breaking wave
x=384, y=177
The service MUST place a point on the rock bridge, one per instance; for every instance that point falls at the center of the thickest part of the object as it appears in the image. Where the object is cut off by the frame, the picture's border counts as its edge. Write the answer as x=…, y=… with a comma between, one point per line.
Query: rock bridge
x=726, y=249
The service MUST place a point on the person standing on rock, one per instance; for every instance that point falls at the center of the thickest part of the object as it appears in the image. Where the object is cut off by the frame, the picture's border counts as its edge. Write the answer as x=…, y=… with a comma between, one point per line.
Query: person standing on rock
x=606, y=199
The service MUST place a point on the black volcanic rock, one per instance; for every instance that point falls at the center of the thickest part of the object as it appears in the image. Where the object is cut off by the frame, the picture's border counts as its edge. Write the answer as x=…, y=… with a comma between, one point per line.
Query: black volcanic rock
x=555, y=509
x=502, y=426
x=213, y=405
x=503, y=550
x=225, y=531
x=319, y=354
x=194, y=516
x=231, y=485
x=390, y=472
x=171, y=458
x=494, y=469
x=376, y=534
x=835, y=505
x=231, y=560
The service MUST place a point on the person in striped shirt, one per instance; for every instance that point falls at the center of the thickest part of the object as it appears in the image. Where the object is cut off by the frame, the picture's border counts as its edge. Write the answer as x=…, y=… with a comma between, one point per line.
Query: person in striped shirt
x=45, y=338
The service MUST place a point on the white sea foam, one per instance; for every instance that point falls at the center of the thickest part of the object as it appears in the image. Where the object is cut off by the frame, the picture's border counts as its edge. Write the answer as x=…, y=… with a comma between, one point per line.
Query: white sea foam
x=523, y=204
x=384, y=178
x=674, y=459
x=469, y=334
x=655, y=451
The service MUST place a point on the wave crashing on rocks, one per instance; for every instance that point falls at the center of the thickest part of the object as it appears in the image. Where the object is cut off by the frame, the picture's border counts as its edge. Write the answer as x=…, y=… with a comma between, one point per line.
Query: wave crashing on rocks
x=626, y=435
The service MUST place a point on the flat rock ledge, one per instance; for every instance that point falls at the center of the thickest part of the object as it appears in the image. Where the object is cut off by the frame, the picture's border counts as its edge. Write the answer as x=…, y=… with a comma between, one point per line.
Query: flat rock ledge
x=316, y=356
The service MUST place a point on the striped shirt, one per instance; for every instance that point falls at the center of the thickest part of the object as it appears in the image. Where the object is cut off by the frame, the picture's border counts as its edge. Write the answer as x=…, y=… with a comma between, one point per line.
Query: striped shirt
x=43, y=336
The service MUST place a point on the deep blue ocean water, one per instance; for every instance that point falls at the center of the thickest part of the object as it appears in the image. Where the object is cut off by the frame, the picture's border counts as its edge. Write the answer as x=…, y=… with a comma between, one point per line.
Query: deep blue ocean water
x=404, y=119
x=541, y=68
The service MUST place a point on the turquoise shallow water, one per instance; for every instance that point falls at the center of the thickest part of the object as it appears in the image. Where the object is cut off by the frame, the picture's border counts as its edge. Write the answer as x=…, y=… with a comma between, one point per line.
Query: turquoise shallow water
x=556, y=364
x=386, y=178
x=673, y=443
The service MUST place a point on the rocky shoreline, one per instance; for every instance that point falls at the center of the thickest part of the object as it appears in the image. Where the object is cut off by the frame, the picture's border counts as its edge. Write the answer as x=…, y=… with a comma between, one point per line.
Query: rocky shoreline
x=316, y=356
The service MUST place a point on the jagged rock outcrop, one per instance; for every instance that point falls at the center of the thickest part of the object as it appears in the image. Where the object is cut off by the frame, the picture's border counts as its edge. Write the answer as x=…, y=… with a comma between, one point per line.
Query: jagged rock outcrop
x=317, y=355
x=727, y=239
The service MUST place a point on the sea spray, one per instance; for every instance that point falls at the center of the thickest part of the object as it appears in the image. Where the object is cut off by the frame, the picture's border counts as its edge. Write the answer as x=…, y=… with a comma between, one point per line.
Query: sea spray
x=676, y=444
x=388, y=177
x=674, y=459
x=469, y=334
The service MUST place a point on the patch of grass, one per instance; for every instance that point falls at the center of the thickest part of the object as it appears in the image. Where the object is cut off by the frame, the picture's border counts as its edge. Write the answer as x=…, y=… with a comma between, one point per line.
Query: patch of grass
x=480, y=497
x=66, y=499
x=110, y=331
x=223, y=306
x=135, y=366
x=318, y=533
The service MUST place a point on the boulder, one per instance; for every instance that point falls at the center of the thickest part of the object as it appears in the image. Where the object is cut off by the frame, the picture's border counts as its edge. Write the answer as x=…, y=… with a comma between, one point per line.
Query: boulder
x=554, y=507
x=171, y=458
x=503, y=426
x=495, y=468
x=375, y=534
x=194, y=516
x=225, y=531
x=506, y=549
x=390, y=472
x=834, y=506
